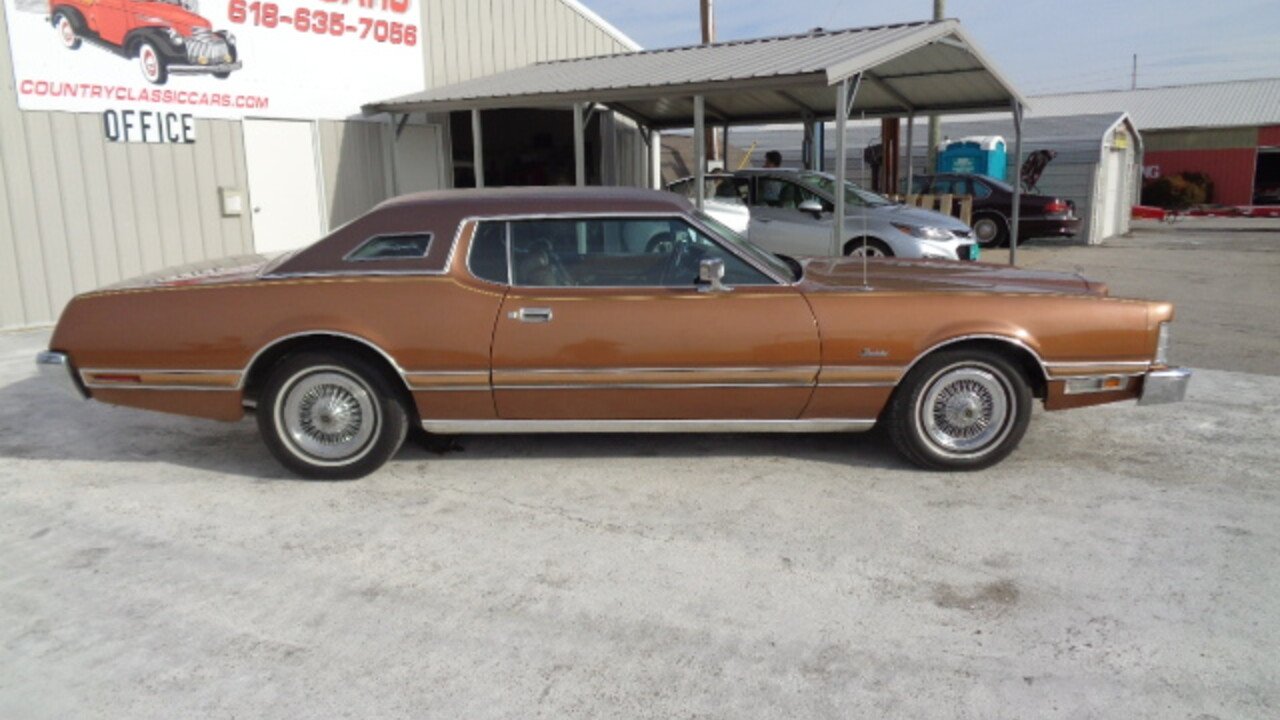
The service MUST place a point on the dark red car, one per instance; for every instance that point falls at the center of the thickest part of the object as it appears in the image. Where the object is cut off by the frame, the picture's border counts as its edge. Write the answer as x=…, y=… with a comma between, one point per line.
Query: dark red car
x=166, y=36
x=1041, y=215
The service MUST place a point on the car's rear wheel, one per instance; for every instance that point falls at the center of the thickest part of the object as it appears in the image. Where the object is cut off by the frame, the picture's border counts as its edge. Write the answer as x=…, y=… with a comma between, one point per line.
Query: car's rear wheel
x=155, y=69
x=330, y=416
x=962, y=409
x=67, y=30
x=990, y=231
x=872, y=248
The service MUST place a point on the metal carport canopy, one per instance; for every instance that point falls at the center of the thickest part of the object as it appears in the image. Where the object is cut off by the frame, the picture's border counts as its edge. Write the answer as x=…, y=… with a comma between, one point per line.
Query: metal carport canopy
x=888, y=70
x=910, y=68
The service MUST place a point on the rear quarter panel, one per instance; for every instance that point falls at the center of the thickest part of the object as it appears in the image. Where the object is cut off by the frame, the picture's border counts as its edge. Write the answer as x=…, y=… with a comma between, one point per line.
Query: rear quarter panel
x=424, y=323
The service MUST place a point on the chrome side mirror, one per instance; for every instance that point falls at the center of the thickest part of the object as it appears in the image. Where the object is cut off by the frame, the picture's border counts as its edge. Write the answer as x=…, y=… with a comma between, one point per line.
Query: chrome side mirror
x=811, y=206
x=710, y=274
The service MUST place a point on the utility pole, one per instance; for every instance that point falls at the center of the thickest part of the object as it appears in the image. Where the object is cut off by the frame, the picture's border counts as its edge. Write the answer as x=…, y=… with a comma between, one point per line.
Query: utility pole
x=935, y=124
x=1133, y=84
x=708, y=37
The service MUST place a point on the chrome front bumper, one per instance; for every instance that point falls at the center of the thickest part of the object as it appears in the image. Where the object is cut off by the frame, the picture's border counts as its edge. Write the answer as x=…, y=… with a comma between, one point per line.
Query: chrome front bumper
x=56, y=368
x=1165, y=386
x=193, y=69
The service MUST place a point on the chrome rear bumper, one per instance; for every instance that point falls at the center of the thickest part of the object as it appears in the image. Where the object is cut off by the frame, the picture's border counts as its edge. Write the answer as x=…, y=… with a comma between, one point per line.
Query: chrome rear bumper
x=1165, y=386
x=56, y=368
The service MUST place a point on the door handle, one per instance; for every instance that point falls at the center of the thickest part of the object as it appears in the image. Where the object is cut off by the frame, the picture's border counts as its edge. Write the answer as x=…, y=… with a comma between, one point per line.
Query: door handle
x=531, y=315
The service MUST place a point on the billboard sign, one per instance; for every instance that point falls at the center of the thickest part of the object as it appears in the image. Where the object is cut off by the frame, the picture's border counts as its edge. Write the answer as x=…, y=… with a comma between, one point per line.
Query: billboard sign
x=215, y=58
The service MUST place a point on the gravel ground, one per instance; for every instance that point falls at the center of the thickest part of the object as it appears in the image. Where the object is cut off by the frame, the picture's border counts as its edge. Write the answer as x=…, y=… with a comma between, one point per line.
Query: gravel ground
x=1120, y=565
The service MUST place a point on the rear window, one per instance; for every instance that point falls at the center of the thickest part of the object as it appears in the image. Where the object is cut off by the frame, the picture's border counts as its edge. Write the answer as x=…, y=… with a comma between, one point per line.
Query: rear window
x=392, y=247
x=488, y=259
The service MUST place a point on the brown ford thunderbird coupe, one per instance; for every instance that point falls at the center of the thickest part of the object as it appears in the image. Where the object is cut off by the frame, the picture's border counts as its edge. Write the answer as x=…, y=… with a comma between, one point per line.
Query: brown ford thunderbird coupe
x=602, y=310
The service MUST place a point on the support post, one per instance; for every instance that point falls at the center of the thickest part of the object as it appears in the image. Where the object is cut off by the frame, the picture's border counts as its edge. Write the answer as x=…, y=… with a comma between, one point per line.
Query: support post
x=820, y=140
x=655, y=159
x=579, y=146
x=842, y=123
x=911, y=127
x=1017, y=182
x=699, y=151
x=477, y=148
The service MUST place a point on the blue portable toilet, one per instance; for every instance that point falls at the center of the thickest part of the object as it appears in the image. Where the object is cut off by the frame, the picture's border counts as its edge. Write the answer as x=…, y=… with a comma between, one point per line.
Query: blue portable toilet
x=979, y=154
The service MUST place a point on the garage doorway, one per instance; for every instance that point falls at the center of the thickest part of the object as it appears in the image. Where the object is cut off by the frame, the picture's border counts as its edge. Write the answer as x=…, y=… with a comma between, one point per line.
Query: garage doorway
x=1266, y=184
x=284, y=184
x=523, y=147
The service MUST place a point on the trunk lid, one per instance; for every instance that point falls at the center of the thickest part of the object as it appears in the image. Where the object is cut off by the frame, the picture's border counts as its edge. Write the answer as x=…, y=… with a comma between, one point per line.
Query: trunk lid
x=238, y=268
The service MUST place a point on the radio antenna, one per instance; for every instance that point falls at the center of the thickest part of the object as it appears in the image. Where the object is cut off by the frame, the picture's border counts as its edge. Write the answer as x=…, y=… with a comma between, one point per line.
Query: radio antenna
x=865, y=284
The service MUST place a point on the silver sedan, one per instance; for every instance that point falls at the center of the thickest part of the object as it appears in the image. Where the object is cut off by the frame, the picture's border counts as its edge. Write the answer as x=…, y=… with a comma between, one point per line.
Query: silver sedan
x=790, y=212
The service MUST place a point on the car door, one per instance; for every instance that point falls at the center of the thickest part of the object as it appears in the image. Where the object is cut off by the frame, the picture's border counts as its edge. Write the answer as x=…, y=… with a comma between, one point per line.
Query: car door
x=604, y=320
x=778, y=225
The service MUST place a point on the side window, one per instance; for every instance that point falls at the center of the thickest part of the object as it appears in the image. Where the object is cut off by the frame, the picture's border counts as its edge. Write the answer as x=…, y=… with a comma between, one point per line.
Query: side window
x=941, y=186
x=693, y=246
x=981, y=190
x=769, y=191
x=918, y=185
x=784, y=194
x=392, y=247
x=725, y=190
x=617, y=252
x=488, y=259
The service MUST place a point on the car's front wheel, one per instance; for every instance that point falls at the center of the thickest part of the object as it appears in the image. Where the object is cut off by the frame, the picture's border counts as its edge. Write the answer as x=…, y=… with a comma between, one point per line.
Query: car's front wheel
x=962, y=409
x=869, y=247
x=330, y=416
x=155, y=69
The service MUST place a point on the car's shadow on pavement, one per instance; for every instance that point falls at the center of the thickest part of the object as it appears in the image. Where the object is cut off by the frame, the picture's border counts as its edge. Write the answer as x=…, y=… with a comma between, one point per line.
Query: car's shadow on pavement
x=40, y=422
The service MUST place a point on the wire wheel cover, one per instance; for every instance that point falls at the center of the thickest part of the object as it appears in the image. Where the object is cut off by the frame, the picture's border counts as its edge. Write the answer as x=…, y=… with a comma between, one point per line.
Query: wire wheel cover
x=965, y=409
x=328, y=416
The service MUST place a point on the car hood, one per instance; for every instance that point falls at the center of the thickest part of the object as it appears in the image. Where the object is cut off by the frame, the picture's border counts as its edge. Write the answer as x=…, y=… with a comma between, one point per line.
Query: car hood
x=239, y=268
x=174, y=16
x=909, y=215
x=897, y=274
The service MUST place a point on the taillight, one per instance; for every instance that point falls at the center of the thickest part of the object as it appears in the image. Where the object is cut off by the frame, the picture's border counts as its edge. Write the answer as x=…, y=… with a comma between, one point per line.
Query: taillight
x=1057, y=207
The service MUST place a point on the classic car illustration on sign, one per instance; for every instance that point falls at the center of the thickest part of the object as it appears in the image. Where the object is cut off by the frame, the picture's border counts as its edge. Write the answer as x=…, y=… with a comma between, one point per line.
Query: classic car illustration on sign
x=603, y=310
x=166, y=36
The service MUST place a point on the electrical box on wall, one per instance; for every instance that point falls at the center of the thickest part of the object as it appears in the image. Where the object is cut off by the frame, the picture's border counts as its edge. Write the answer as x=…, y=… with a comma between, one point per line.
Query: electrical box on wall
x=232, y=201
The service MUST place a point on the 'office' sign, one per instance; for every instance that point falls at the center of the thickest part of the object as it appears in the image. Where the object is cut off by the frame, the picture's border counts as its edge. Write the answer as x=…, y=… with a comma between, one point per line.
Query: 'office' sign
x=149, y=126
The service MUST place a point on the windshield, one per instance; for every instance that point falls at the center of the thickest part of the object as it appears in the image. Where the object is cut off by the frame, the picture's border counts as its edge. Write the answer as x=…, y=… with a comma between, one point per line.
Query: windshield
x=854, y=196
x=744, y=246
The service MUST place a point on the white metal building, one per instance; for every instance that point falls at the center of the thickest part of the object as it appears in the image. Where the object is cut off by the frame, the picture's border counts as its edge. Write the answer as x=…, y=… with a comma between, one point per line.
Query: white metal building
x=80, y=209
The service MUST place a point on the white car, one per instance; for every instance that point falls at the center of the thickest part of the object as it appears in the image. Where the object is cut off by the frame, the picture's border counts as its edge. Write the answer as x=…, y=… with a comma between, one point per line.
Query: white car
x=791, y=212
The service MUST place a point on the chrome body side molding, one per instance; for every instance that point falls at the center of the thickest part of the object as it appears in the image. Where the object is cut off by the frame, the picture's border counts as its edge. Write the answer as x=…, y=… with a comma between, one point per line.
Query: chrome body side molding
x=466, y=427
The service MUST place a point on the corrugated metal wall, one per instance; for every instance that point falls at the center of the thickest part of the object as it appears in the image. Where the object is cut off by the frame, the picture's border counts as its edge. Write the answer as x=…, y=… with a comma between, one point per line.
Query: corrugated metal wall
x=1232, y=170
x=78, y=212
x=354, y=167
x=471, y=38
